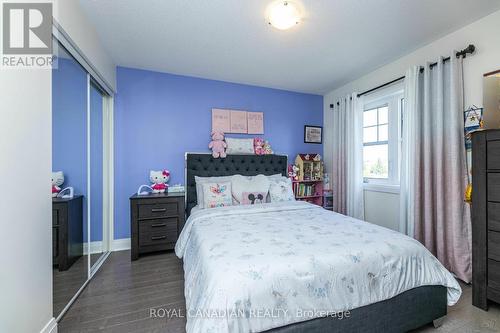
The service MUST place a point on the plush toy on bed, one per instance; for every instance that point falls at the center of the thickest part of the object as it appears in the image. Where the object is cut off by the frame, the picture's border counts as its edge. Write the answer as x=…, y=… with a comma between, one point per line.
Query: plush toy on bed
x=57, y=180
x=159, y=180
x=267, y=148
x=218, y=145
x=258, y=144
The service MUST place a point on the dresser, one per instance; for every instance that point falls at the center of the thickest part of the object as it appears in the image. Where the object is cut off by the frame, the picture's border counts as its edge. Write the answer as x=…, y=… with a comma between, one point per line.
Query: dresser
x=485, y=218
x=156, y=222
x=67, y=231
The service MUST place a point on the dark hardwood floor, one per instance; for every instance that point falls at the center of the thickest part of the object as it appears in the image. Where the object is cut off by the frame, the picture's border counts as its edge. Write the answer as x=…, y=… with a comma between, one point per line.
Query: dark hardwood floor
x=122, y=294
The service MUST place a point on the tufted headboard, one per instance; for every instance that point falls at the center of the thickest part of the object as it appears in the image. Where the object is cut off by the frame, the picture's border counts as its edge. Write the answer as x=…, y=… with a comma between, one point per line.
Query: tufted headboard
x=204, y=165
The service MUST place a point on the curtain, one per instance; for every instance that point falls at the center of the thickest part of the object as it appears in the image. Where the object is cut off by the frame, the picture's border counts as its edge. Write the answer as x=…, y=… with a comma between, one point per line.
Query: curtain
x=433, y=173
x=347, y=177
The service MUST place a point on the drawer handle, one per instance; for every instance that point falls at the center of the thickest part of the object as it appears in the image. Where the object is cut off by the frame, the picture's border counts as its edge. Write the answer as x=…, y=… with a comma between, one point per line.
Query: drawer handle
x=158, y=237
x=158, y=210
x=158, y=225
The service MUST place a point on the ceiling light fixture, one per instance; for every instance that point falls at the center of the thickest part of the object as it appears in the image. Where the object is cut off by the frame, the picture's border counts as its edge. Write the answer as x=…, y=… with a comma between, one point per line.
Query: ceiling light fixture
x=283, y=15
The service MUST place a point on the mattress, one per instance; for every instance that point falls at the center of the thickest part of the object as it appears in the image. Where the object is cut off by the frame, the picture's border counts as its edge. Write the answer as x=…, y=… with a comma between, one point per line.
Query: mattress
x=256, y=267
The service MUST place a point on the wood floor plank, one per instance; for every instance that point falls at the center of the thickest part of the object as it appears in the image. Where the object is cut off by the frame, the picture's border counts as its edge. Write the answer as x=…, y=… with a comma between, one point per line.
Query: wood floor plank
x=120, y=297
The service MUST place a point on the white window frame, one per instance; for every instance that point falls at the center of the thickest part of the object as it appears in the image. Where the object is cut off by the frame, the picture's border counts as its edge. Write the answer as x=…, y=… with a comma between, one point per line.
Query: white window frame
x=390, y=97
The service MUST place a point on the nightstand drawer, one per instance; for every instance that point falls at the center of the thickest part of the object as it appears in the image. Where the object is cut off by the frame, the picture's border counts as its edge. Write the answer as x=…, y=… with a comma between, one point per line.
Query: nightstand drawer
x=159, y=232
x=158, y=209
x=158, y=225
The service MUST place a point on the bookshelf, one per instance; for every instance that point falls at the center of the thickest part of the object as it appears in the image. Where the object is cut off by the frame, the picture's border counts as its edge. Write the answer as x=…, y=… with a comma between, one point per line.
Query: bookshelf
x=307, y=180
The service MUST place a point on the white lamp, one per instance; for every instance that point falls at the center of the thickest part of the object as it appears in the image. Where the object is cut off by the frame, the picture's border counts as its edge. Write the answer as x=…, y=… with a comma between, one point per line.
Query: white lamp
x=283, y=15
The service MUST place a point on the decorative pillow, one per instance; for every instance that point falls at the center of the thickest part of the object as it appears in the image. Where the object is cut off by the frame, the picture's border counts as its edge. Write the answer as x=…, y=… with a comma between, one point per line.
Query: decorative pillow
x=217, y=195
x=253, y=198
x=204, y=180
x=241, y=184
x=281, y=191
x=239, y=146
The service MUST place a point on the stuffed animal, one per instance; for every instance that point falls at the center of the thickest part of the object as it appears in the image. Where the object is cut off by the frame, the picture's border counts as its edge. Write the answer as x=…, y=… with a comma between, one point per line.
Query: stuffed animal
x=293, y=172
x=267, y=148
x=218, y=145
x=159, y=180
x=57, y=180
x=258, y=145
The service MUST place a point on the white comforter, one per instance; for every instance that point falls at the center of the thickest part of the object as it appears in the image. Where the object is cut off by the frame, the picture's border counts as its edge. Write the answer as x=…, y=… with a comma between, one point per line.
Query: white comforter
x=253, y=268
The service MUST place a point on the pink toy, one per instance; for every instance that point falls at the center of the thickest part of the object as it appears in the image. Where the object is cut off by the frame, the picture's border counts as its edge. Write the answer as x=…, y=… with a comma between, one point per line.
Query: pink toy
x=159, y=180
x=57, y=181
x=258, y=144
x=218, y=145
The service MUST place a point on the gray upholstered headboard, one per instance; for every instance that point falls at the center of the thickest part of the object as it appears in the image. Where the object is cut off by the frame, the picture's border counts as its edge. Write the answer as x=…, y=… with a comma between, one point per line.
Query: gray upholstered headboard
x=204, y=165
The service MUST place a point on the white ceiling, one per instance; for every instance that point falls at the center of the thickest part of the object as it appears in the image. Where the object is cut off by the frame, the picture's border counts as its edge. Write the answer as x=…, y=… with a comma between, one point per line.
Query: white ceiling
x=229, y=40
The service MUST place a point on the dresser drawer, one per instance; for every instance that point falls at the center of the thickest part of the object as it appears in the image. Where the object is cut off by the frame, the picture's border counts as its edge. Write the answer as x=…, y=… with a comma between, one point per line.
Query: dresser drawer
x=494, y=186
x=493, y=160
x=494, y=216
x=494, y=245
x=494, y=274
x=158, y=209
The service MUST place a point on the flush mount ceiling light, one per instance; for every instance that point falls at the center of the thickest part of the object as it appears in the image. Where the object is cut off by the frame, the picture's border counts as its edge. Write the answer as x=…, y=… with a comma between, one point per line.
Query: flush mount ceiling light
x=283, y=15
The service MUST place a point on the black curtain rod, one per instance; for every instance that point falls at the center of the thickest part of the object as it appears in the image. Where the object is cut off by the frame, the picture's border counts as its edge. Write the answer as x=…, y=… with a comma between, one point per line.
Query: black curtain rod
x=469, y=49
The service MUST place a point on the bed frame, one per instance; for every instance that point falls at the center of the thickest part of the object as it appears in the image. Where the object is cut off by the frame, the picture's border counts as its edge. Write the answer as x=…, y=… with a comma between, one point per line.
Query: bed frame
x=409, y=310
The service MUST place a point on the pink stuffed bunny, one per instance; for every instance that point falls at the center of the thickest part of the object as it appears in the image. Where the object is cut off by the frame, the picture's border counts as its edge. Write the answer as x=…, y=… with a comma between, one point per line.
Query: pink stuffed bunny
x=218, y=145
x=258, y=144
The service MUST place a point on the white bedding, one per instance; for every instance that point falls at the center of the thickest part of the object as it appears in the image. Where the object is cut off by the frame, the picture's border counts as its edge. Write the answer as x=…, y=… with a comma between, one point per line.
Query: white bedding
x=253, y=268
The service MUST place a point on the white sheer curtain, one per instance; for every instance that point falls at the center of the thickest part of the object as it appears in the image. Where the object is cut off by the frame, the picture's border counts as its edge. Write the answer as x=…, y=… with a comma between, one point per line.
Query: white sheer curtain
x=347, y=178
x=433, y=173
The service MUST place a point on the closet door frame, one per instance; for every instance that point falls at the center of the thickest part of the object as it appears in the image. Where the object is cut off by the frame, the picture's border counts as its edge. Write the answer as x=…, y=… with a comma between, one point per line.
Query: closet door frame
x=108, y=155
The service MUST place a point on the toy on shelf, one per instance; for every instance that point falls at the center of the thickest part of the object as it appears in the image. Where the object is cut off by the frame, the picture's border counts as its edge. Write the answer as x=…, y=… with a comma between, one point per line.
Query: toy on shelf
x=310, y=167
x=258, y=144
x=218, y=145
x=267, y=148
x=159, y=180
x=57, y=181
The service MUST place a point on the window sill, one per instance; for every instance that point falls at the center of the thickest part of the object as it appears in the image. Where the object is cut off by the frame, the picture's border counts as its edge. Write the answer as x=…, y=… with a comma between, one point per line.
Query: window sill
x=385, y=188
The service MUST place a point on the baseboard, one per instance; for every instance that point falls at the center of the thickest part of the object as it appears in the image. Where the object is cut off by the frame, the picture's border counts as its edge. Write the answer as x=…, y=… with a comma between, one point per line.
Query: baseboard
x=116, y=245
x=121, y=244
x=51, y=326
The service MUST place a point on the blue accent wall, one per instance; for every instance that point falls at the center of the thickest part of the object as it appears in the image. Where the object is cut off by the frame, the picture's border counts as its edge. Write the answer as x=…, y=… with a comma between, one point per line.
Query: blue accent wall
x=159, y=116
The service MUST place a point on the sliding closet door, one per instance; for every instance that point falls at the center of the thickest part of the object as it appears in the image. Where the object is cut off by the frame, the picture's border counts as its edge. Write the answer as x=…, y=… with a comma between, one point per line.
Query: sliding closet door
x=69, y=166
x=96, y=157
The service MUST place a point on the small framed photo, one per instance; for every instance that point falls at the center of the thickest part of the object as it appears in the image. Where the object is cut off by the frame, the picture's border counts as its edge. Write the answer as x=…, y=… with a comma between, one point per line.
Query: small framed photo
x=313, y=134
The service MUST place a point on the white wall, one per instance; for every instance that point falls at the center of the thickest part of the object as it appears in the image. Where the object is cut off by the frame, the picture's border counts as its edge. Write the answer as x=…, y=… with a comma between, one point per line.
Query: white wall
x=73, y=20
x=25, y=200
x=484, y=34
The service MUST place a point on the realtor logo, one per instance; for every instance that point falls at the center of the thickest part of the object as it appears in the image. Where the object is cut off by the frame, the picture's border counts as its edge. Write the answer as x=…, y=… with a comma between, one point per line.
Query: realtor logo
x=27, y=28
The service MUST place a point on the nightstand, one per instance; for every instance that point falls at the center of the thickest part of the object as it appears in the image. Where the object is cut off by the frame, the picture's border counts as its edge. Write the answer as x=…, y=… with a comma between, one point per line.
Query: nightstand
x=156, y=222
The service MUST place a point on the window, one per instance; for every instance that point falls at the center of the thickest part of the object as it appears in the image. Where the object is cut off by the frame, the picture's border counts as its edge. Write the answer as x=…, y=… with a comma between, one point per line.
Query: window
x=382, y=139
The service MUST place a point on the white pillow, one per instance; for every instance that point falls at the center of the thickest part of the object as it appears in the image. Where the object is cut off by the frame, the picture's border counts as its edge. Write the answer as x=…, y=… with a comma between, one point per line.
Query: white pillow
x=217, y=195
x=241, y=184
x=239, y=146
x=204, y=180
x=281, y=190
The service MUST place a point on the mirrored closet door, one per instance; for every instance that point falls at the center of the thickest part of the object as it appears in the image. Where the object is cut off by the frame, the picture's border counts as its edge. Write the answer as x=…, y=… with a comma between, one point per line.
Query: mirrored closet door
x=80, y=209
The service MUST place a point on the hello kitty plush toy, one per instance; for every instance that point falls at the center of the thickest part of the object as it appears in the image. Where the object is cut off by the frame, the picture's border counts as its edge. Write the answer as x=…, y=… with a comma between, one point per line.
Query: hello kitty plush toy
x=57, y=180
x=267, y=148
x=159, y=180
x=258, y=144
x=218, y=145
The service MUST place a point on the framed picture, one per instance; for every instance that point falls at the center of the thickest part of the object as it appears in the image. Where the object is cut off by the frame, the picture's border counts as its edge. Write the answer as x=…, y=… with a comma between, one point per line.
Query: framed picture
x=313, y=134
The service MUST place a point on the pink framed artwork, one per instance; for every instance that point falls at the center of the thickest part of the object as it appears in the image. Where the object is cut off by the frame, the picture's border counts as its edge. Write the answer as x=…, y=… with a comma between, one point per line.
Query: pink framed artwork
x=238, y=122
x=221, y=120
x=255, y=121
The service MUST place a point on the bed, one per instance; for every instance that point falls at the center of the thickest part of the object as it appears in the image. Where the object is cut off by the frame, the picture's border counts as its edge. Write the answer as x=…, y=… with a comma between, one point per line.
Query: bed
x=295, y=267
